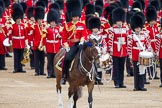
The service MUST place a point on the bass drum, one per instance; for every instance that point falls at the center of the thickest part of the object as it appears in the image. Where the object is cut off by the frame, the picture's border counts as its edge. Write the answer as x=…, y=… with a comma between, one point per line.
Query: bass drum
x=6, y=42
x=7, y=45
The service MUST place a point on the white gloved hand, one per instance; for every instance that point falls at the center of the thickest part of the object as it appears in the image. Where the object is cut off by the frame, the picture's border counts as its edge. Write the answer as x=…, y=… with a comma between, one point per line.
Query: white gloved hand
x=81, y=42
x=67, y=49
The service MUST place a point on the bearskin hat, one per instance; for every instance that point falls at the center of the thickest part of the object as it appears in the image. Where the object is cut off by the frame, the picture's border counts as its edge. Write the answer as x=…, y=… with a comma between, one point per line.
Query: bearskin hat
x=30, y=12
x=39, y=13
x=17, y=12
x=90, y=9
x=124, y=3
x=142, y=4
x=7, y=3
x=2, y=4
x=156, y=4
x=24, y=6
x=118, y=14
x=74, y=8
x=151, y=14
x=1, y=12
x=45, y=2
x=61, y=3
x=99, y=3
x=87, y=18
x=40, y=3
x=53, y=15
x=129, y=15
x=54, y=6
x=137, y=6
x=94, y=22
x=136, y=21
x=108, y=10
x=99, y=10
x=85, y=2
x=142, y=15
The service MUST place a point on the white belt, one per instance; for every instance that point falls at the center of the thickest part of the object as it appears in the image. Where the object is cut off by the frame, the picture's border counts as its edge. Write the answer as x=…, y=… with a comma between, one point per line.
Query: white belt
x=18, y=37
x=137, y=48
x=52, y=41
x=153, y=40
x=116, y=42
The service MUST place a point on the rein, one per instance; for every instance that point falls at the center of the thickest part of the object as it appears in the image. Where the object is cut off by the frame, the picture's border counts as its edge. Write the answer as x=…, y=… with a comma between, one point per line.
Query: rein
x=90, y=73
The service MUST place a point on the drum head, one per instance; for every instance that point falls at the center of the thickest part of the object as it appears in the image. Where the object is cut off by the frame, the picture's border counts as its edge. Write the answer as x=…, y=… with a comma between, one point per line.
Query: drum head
x=6, y=42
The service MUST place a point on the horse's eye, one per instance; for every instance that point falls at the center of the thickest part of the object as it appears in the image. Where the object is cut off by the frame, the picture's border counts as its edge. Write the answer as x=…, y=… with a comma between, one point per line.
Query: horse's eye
x=96, y=44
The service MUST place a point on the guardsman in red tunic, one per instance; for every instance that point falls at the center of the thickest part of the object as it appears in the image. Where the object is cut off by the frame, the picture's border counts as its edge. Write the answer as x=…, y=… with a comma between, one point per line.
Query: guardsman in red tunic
x=30, y=26
x=52, y=40
x=160, y=55
x=94, y=25
x=39, y=41
x=18, y=37
x=74, y=34
x=129, y=65
x=138, y=41
x=62, y=13
x=2, y=38
x=118, y=47
x=151, y=17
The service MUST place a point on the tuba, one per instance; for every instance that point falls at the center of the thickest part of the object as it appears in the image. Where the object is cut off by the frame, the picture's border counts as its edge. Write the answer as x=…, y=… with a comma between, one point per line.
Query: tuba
x=26, y=55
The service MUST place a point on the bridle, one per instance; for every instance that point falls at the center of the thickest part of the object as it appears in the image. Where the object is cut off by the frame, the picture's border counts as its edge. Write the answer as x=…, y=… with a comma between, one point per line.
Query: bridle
x=82, y=69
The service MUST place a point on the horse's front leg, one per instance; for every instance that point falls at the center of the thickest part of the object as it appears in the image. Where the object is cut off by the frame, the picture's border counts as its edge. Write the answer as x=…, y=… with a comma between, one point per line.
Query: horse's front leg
x=70, y=93
x=90, y=90
x=58, y=88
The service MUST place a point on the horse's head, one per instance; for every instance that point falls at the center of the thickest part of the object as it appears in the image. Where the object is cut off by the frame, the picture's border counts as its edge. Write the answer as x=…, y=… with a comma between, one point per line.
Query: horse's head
x=93, y=50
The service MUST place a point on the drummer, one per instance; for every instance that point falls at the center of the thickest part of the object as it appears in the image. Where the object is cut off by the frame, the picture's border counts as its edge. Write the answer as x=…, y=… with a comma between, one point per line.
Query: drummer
x=2, y=37
x=139, y=41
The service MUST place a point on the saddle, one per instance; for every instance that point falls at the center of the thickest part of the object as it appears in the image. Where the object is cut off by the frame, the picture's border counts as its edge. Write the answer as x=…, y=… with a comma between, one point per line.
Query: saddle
x=60, y=63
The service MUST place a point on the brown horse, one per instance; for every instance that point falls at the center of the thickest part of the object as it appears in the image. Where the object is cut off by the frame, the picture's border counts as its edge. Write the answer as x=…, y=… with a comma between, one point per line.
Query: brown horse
x=82, y=73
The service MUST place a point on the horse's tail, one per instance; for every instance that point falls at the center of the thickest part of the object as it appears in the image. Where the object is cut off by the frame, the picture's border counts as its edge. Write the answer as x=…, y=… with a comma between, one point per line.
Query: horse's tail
x=79, y=91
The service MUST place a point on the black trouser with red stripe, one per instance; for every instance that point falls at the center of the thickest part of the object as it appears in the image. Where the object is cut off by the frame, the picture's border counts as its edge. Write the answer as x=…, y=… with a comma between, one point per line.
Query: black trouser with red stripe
x=32, y=65
x=39, y=57
x=138, y=79
x=160, y=70
x=2, y=61
x=18, y=56
x=118, y=70
x=50, y=64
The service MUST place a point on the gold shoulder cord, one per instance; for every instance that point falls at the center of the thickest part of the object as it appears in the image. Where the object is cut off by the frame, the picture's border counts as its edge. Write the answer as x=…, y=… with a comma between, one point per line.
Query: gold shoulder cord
x=71, y=28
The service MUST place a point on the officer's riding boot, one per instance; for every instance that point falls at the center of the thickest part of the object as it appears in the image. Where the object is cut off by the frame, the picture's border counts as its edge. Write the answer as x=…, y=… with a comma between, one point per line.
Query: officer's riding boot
x=65, y=72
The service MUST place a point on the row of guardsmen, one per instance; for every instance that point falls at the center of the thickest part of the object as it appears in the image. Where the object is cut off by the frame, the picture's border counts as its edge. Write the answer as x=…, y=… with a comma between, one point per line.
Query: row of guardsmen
x=44, y=26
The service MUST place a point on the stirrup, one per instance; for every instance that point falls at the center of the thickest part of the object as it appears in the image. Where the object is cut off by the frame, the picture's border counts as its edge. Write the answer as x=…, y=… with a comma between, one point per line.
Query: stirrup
x=98, y=78
x=63, y=81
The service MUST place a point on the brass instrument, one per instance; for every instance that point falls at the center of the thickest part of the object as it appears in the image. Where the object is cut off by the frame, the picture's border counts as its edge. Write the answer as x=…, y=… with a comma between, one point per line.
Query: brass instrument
x=26, y=55
x=43, y=35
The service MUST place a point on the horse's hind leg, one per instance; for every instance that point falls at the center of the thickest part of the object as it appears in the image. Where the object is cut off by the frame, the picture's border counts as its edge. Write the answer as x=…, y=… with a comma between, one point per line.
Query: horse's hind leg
x=90, y=89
